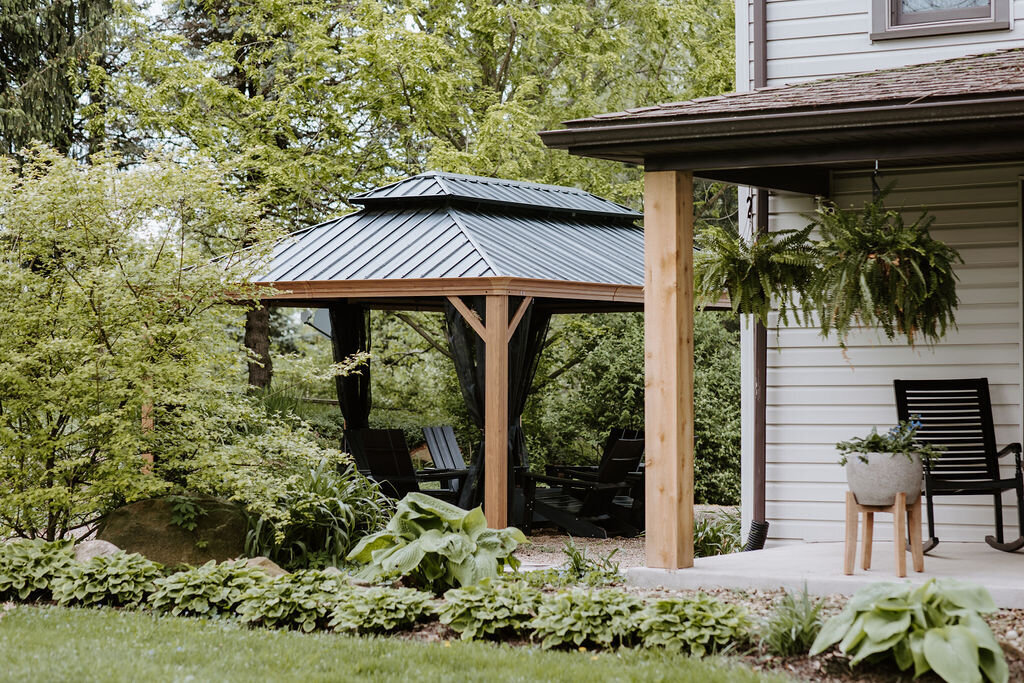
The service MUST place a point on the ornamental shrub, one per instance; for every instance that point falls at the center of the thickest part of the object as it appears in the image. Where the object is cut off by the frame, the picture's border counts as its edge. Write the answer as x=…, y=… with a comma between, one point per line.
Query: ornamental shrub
x=490, y=609
x=579, y=618
x=211, y=589
x=380, y=609
x=936, y=626
x=29, y=568
x=303, y=600
x=117, y=580
x=696, y=625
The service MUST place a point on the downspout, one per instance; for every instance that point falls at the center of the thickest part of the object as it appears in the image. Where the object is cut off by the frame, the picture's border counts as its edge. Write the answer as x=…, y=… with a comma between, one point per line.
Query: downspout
x=759, y=524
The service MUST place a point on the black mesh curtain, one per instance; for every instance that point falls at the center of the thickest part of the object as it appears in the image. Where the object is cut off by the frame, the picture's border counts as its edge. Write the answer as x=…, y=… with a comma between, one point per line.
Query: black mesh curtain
x=350, y=334
x=469, y=353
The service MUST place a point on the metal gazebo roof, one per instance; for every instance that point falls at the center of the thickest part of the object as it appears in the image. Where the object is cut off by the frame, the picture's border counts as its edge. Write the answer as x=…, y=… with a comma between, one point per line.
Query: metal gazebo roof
x=439, y=234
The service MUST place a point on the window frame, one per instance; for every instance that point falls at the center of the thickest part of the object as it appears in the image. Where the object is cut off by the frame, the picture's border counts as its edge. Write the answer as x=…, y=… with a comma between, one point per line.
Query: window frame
x=888, y=22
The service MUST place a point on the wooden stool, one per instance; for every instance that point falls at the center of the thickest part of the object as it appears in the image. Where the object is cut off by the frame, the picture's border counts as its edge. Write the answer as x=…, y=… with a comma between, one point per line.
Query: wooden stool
x=899, y=510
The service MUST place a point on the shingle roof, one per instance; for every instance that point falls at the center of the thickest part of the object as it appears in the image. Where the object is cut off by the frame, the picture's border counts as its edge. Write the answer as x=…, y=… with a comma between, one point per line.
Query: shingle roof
x=479, y=191
x=399, y=237
x=995, y=73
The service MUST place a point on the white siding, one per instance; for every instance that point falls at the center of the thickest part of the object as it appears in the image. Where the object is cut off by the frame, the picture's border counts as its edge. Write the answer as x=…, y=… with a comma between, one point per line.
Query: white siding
x=817, y=395
x=810, y=39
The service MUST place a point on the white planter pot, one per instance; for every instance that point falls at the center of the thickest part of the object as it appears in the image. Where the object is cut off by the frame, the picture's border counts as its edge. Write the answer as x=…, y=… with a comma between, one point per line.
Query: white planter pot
x=877, y=481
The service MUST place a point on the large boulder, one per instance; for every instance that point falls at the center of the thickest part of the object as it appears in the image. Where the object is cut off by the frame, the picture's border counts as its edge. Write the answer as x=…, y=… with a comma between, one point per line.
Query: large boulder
x=147, y=527
x=268, y=566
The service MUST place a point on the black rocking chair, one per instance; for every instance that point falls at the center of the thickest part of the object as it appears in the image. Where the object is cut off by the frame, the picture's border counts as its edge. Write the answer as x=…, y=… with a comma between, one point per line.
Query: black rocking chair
x=957, y=414
x=384, y=454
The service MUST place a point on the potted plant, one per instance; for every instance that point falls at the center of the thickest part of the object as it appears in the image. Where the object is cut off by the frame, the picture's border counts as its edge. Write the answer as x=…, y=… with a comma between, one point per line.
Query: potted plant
x=879, y=466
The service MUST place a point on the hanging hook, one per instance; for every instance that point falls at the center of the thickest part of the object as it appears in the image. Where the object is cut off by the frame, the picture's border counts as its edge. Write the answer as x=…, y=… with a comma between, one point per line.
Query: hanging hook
x=876, y=191
x=750, y=214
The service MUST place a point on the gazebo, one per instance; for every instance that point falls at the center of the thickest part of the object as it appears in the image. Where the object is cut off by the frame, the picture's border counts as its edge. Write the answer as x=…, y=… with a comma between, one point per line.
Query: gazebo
x=498, y=257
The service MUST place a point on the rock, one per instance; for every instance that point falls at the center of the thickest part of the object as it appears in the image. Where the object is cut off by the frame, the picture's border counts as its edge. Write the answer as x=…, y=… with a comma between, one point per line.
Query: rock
x=86, y=550
x=146, y=527
x=266, y=564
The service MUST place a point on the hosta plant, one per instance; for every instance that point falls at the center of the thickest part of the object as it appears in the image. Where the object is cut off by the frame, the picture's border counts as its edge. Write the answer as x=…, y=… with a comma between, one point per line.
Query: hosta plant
x=207, y=590
x=118, y=580
x=434, y=545
x=28, y=568
x=936, y=627
x=380, y=609
x=696, y=625
x=586, y=618
x=490, y=609
x=303, y=600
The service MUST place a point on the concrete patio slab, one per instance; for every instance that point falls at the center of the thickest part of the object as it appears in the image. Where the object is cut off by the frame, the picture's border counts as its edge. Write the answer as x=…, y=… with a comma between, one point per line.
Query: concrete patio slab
x=820, y=567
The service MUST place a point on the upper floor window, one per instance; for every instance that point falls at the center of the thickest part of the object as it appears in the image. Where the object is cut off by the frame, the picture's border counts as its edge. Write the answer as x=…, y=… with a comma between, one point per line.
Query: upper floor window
x=910, y=18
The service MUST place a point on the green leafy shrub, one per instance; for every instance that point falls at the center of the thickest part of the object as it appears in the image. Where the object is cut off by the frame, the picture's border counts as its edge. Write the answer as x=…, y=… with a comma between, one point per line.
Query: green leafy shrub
x=380, y=609
x=933, y=627
x=697, y=625
x=793, y=626
x=587, y=570
x=602, y=618
x=490, y=609
x=205, y=591
x=28, y=568
x=303, y=600
x=436, y=546
x=117, y=580
x=318, y=516
x=717, y=534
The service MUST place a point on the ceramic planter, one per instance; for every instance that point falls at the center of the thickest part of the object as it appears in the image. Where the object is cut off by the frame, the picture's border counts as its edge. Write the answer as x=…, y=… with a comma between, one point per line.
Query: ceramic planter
x=877, y=481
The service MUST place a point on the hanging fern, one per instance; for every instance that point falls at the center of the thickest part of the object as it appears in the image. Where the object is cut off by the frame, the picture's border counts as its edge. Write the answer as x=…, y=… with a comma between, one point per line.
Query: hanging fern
x=772, y=270
x=876, y=271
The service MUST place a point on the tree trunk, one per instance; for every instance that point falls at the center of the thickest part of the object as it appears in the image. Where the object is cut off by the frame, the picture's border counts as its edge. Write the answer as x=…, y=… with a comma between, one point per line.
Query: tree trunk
x=257, y=340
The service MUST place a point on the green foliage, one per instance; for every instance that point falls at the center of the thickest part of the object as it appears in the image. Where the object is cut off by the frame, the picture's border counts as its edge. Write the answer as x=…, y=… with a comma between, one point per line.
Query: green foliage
x=899, y=440
x=380, y=610
x=436, y=546
x=324, y=511
x=212, y=589
x=28, y=568
x=876, y=271
x=717, y=534
x=936, y=627
x=117, y=580
x=580, y=568
x=771, y=271
x=793, y=625
x=696, y=625
x=491, y=609
x=586, y=618
x=185, y=512
x=109, y=308
x=303, y=600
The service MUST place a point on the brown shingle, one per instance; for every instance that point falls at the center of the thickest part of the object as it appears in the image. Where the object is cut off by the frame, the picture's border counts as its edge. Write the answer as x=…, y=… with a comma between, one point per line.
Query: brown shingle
x=995, y=73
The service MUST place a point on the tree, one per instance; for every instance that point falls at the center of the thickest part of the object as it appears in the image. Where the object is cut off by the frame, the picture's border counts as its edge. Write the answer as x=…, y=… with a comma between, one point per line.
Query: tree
x=110, y=313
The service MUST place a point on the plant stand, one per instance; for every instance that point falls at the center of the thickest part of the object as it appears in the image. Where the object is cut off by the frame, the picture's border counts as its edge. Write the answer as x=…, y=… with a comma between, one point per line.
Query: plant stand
x=902, y=514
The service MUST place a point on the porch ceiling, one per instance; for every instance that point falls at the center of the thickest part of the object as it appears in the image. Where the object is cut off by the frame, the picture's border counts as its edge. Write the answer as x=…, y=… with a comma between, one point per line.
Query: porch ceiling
x=969, y=109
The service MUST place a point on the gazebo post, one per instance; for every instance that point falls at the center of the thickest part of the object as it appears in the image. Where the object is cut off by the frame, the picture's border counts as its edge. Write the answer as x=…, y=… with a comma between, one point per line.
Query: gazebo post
x=668, y=361
x=496, y=413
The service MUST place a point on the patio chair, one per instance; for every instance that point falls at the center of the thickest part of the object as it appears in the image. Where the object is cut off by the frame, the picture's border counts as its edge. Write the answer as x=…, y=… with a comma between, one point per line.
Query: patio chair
x=444, y=451
x=590, y=506
x=384, y=453
x=957, y=415
x=590, y=471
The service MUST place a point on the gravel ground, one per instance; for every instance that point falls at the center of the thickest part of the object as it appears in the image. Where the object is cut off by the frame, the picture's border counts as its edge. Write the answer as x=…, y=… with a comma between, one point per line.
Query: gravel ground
x=546, y=550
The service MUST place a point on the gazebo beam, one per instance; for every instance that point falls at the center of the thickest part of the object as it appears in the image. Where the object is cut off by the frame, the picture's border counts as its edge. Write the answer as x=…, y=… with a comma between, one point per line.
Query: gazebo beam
x=496, y=413
x=668, y=361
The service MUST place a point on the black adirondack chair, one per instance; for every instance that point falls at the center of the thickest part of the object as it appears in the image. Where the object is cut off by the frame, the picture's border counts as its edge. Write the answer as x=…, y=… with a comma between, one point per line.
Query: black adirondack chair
x=590, y=471
x=957, y=414
x=588, y=505
x=384, y=453
x=444, y=451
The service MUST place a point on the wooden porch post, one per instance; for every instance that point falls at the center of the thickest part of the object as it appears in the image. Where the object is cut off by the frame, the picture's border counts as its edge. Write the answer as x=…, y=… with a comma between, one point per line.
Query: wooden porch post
x=668, y=359
x=496, y=413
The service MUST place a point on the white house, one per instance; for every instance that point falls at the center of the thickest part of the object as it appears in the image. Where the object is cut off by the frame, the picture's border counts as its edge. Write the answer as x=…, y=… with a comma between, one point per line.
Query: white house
x=941, y=113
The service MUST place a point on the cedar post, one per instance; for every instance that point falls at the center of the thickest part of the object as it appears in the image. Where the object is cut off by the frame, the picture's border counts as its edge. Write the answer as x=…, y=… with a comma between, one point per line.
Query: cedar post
x=668, y=360
x=496, y=413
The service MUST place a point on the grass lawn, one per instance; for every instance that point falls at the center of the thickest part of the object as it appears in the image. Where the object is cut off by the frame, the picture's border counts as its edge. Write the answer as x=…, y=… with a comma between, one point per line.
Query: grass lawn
x=56, y=644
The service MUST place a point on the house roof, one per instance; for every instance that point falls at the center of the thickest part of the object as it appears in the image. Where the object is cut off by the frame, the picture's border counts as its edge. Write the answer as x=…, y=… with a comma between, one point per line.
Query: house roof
x=789, y=137
x=437, y=234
